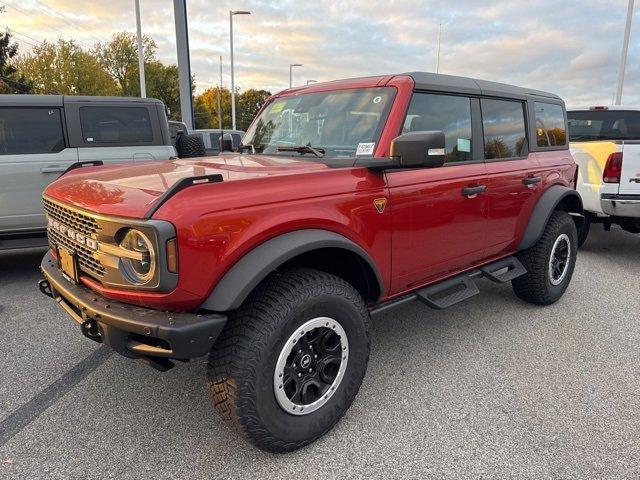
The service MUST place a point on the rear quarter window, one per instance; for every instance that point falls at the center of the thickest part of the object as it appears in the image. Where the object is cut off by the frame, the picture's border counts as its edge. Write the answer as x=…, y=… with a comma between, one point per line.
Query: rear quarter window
x=550, y=125
x=30, y=130
x=116, y=125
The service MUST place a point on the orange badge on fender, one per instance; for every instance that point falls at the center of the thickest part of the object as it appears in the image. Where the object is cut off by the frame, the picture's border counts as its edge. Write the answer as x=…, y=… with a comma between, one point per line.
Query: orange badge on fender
x=380, y=203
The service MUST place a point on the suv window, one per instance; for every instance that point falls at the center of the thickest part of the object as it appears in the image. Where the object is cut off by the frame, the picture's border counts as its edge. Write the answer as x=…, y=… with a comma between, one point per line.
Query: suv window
x=338, y=121
x=214, y=138
x=550, y=127
x=504, y=131
x=123, y=125
x=30, y=130
x=448, y=113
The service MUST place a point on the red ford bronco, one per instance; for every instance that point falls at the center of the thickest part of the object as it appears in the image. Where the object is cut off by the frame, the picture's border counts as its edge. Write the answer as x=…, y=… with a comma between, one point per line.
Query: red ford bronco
x=345, y=200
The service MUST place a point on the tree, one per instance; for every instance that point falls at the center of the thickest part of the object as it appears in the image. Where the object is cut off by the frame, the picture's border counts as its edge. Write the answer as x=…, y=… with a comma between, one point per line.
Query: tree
x=10, y=80
x=119, y=56
x=65, y=68
x=162, y=83
x=249, y=103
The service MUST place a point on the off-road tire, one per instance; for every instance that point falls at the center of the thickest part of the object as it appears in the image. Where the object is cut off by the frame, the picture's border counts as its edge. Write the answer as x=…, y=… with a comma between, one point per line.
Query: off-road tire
x=583, y=231
x=241, y=366
x=190, y=146
x=535, y=286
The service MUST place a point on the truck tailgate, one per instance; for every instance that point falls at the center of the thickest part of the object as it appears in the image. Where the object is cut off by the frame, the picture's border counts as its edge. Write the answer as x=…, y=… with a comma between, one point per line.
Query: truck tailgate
x=630, y=177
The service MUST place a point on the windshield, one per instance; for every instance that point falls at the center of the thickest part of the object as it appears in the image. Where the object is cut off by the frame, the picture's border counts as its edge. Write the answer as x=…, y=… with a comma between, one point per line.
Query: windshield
x=604, y=125
x=335, y=122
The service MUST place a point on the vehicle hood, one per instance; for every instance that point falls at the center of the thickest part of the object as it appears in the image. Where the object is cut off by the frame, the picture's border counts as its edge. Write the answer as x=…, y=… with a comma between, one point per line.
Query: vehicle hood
x=132, y=190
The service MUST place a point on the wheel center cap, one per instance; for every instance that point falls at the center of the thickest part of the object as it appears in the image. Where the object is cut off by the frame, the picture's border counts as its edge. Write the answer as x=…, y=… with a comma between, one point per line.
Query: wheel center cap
x=305, y=361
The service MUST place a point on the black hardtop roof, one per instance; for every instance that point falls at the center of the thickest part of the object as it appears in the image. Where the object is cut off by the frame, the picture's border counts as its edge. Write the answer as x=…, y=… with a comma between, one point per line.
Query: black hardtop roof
x=59, y=100
x=452, y=83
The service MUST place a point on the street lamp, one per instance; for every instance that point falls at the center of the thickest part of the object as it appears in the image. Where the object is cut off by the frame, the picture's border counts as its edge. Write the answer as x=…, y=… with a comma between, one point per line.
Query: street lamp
x=233, y=85
x=311, y=81
x=291, y=65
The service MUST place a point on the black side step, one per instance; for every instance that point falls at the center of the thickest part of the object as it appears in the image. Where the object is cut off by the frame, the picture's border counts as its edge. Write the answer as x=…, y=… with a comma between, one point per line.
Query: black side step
x=449, y=292
x=494, y=271
x=457, y=289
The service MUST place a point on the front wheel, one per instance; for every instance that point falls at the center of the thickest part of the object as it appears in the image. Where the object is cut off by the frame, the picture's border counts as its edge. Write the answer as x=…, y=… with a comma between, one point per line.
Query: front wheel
x=549, y=263
x=291, y=360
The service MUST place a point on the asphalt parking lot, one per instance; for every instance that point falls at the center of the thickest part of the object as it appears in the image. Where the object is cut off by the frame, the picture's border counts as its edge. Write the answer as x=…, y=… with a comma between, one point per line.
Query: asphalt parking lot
x=490, y=388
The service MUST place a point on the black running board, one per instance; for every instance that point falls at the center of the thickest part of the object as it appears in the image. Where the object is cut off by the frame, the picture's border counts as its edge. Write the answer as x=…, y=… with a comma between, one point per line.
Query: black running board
x=459, y=288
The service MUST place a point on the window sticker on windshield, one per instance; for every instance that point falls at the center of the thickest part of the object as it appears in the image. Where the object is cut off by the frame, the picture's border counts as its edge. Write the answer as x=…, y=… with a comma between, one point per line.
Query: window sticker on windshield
x=377, y=99
x=277, y=107
x=464, y=145
x=365, y=149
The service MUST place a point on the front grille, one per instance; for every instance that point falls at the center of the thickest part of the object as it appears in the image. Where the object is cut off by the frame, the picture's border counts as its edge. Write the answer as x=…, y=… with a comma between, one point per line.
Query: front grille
x=78, y=221
x=81, y=223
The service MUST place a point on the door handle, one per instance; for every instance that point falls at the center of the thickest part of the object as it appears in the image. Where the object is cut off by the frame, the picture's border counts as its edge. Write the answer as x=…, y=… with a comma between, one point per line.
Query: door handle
x=531, y=180
x=473, y=191
x=53, y=169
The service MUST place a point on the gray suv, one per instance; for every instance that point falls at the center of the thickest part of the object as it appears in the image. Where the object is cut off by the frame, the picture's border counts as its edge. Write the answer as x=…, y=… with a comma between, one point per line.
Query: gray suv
x=41, y=136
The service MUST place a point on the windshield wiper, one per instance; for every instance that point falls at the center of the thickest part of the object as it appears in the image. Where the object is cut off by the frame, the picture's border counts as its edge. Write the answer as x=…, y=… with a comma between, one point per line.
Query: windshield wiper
x=317, y=151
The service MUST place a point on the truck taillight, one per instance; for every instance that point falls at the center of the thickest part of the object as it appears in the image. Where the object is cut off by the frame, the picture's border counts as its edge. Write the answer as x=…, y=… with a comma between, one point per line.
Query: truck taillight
x=613, y=168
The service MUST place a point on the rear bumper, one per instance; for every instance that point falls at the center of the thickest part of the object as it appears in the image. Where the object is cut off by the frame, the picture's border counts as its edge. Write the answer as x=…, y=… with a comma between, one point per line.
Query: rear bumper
x=131, y=330
x=621, y=205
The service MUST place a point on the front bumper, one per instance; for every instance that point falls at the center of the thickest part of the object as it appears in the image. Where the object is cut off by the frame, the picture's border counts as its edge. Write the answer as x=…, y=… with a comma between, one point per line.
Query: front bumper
x=131, y=330
x=621, y=205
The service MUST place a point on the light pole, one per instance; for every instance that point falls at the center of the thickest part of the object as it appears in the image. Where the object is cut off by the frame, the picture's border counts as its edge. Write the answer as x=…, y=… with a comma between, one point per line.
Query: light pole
x=233, y=85
x=623, y=58
x=291, y=65
x=311, y=81
x=438, y=54
x=143, y=85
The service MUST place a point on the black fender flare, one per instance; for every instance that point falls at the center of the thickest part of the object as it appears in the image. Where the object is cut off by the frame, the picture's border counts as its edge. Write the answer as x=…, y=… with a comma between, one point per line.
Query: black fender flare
x=250, y=270
x=547, y=204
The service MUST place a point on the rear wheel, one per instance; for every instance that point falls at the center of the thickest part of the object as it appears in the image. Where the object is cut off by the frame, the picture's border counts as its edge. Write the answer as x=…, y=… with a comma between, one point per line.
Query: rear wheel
x=549, y=263
x=291, y=360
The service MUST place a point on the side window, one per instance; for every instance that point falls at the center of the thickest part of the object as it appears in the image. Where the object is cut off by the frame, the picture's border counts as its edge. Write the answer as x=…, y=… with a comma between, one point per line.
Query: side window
x=237, y=139
x=448, y=113
x=550, y=127
x=504, y=131
x=30, y=130
x=214, y=138
x=118, y=125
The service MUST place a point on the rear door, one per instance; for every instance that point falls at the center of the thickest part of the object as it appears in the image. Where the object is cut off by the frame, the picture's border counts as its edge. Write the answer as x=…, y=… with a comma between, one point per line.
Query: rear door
x=514, y=174
x=33, y=154
x=437, y=229
x=116, y=132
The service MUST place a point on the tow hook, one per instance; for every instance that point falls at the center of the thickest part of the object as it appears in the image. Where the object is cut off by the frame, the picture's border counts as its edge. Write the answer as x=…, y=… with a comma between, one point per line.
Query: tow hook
x=90, y=330
x=45, y=288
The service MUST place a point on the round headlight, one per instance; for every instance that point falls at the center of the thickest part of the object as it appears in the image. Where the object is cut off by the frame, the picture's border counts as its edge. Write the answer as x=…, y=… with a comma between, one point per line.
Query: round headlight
x=140, y=261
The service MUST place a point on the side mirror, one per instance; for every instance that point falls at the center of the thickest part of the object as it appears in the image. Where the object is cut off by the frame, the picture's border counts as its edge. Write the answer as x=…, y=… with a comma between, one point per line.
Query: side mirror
x=419, y=149
x=226, y=144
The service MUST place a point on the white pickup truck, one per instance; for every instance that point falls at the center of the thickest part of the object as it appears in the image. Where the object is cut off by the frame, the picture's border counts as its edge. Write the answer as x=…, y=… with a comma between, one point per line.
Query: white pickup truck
x=605, y=143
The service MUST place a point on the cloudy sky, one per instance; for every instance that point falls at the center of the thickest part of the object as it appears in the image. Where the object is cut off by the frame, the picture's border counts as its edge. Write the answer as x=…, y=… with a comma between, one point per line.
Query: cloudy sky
x=568, y=47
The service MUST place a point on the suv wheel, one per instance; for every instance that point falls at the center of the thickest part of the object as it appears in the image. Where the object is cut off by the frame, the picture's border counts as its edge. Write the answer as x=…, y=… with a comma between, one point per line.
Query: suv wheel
x=549, y=263
x=291, y=359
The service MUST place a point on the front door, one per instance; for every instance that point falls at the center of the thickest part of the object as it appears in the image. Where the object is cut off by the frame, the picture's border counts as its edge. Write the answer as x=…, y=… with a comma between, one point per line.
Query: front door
x=32, y=155
x=438, y=215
